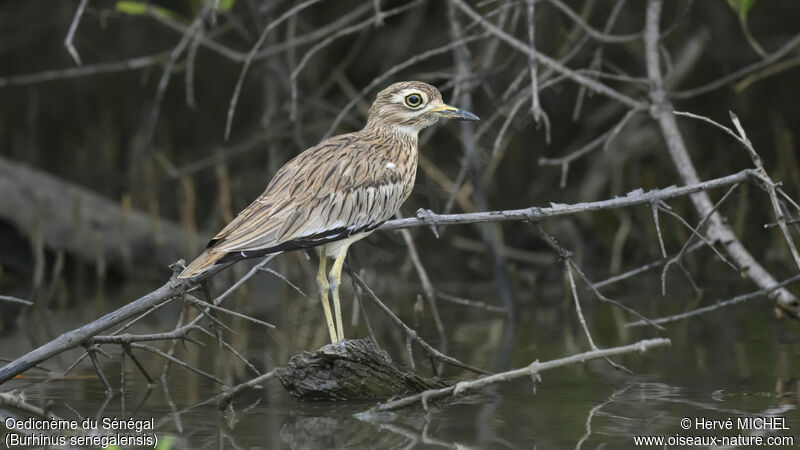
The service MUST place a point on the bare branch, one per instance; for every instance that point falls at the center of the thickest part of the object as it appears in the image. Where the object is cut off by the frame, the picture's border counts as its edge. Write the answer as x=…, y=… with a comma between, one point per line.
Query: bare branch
x=785, y=49
x=637, y=197
x=93, y=69
x=533, y=369
x=719, y=304
x=409, y=331
x=225, y=397
x=593, y=33
x=427, y=286
x=10, y=299
x=71, y=33
x=197, y=302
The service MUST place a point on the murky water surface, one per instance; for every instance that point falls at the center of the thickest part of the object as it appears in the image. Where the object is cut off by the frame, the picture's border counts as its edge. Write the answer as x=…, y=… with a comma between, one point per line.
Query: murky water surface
x=734, y=364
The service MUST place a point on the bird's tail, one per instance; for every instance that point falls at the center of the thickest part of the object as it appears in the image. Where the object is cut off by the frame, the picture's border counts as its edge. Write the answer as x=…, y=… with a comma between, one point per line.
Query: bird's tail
x=202, y=263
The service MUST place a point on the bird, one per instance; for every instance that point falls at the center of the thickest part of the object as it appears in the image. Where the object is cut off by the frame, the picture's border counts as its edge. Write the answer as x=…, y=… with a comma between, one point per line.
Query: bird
x=336, y=192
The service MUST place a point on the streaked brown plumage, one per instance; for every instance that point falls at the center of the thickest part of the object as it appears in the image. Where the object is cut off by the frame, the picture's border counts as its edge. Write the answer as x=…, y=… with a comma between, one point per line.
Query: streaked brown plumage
x=336, y=192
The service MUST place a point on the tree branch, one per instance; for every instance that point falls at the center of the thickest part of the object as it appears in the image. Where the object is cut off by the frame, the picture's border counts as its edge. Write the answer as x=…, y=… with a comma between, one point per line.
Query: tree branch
x=717, y=230
x=532, y=370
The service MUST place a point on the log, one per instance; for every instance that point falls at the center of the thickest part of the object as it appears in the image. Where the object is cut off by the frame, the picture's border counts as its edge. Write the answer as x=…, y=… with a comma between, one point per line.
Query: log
x=354, y=369
x=83, y=224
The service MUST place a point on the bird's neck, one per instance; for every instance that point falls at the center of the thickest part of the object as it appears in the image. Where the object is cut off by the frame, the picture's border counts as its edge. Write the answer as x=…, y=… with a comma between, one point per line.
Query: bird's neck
x=403, y=134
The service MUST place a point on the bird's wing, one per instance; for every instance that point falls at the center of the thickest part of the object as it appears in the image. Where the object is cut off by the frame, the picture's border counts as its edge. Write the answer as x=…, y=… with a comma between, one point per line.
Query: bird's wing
x=330, y=191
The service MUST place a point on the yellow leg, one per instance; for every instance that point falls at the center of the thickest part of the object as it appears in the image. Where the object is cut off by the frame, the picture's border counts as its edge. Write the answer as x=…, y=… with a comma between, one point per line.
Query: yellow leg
x=322, y=285
x=335, y=278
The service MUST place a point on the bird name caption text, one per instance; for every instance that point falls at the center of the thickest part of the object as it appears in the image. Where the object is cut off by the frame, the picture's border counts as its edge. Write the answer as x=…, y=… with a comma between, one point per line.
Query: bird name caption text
x=101, y=432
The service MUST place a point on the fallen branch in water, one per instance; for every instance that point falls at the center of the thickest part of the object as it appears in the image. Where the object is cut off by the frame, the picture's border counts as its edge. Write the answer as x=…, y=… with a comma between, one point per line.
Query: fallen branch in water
x=353, y=369
x=531, y=371
x=84, y=224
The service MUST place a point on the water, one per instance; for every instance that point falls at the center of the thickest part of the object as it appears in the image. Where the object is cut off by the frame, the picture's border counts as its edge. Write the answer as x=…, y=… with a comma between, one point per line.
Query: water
x=736, y=363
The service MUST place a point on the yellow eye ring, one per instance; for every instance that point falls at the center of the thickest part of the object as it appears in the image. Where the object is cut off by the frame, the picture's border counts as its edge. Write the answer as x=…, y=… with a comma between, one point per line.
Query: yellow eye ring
x=413, y=100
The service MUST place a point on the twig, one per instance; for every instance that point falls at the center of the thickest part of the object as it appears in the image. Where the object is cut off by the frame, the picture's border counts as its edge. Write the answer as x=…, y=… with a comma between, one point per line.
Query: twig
x=532, y=370
x=362, y=308
x=470, y=303
x=225, y=397
x=161, y=89
x=744, y=71
x=197, y=302
x=536, y=107
x=71, y=33
x=178, y=362
x=427, y=286
x=577, y=302
x=94, y=69
x=92, y=351
x=122, y=339
x=566, y=258
x=176, y=416
x=127, y=351
x=605, y=139
x=10, y=299
x=719, y=304
x=254, y=270
x=285, y=280
x=409, y=331
x=766, y=73
x=191, y=57
x=605, y=299
x=695, y=232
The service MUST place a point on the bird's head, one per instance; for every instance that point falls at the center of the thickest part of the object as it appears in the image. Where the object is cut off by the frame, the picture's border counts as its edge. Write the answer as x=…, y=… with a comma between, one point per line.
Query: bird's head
x=410, y=106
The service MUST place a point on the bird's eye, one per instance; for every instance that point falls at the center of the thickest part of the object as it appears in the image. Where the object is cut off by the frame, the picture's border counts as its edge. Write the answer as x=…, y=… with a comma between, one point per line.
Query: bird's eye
x=413, y=100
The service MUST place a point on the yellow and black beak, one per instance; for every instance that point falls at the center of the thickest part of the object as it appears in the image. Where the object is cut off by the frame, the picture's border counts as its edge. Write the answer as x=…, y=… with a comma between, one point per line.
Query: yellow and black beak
x=451, y=112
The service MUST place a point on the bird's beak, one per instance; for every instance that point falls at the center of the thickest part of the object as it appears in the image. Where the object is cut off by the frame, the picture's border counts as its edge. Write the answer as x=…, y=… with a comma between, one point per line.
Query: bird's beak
x=450, y=112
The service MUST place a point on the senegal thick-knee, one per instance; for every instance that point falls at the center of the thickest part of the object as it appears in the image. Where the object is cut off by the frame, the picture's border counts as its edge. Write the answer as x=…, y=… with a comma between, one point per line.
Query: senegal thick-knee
x=336, y=192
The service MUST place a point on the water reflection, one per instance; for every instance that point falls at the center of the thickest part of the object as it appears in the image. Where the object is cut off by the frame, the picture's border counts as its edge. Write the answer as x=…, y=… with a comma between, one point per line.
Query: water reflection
x=733, y=371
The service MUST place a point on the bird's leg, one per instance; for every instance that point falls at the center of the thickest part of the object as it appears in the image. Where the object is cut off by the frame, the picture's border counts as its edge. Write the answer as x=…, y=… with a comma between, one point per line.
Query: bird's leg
x=322, y=285
x=335, y=278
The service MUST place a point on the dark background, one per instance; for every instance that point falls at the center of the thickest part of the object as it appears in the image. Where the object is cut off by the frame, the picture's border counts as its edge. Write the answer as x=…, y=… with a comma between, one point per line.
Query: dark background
x=113, y=132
